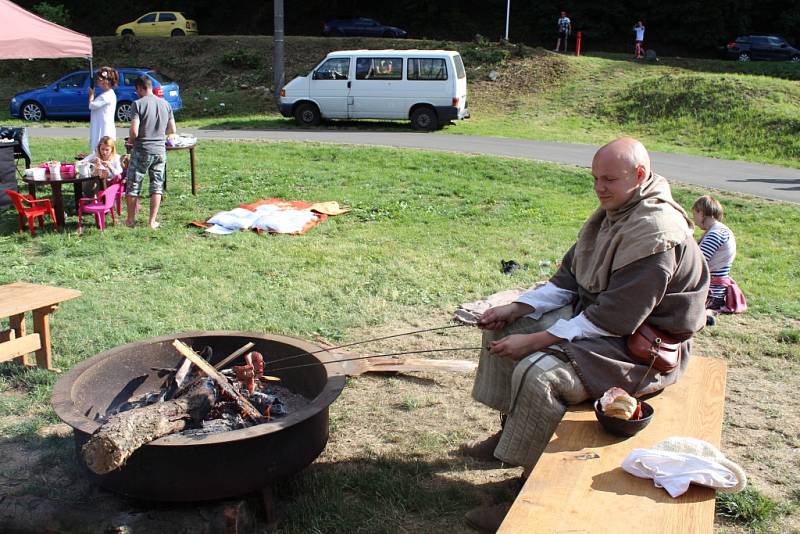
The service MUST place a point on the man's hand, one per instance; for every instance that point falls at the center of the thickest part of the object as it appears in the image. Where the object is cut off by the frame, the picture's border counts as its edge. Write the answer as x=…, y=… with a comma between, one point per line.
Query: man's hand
x=499, y=317
x=518, y=346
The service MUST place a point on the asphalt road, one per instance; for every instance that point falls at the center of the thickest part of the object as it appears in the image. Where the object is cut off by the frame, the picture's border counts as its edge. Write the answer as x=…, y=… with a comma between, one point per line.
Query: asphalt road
x=766, y=181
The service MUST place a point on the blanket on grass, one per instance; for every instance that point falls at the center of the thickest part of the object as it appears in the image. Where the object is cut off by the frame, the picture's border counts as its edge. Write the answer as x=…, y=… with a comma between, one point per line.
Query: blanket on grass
x=273, y=215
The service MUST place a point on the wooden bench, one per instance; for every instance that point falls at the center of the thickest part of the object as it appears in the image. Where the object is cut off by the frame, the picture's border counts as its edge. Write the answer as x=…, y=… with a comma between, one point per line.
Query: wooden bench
x=578, y=485
x=15, y=300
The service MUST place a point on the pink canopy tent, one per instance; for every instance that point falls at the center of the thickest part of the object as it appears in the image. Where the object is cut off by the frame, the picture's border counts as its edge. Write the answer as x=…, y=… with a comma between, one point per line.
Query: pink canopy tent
x=27, y=36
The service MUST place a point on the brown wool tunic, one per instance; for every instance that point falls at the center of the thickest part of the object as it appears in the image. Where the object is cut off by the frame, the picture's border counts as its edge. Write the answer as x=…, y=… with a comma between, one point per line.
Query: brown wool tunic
x=667, y=290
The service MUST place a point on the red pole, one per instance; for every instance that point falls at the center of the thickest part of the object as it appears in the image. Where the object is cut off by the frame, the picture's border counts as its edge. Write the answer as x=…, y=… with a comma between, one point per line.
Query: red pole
x=578, y=45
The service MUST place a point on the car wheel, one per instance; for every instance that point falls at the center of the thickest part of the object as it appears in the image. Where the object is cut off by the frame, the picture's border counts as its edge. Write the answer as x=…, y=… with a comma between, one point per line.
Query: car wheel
x=178, y=33
x=32, y=111
x=425, y=119
x=796, y=58
x=744, y=56
x=127, y=32
x=307, y=114
x=123, y=113
x=387, y=34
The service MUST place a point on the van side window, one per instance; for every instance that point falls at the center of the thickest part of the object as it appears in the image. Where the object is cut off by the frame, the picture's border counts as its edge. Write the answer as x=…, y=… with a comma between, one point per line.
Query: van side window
x=427, y=69
x=460, y=72
x=379, y=68
x=336, y=68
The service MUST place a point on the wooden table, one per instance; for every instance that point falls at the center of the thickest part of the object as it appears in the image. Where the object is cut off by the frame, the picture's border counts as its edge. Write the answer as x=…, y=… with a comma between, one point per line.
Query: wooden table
x=578, y=485
x=191, y=162
x=190, y=148
x=19, y=298
x=57, y=197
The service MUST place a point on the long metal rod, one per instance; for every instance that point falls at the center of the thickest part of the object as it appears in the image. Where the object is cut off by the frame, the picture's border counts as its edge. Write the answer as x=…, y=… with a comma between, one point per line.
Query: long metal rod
x=373, y=356
x=272, y=362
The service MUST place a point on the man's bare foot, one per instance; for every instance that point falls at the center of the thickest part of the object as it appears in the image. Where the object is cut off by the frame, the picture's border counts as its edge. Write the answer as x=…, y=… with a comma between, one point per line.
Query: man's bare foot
x=130, y=224
x=482, y=449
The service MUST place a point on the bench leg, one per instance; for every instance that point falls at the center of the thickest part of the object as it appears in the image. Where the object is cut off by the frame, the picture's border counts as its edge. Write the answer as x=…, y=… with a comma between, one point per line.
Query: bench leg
x=17, y=324
x=41, y=325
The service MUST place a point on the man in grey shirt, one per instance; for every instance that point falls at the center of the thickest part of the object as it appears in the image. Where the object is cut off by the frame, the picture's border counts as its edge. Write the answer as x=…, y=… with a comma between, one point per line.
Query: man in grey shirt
x=151, y=121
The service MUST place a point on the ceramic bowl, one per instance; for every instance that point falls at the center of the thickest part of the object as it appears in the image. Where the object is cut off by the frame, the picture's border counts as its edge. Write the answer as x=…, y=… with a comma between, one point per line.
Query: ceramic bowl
x=622, y=427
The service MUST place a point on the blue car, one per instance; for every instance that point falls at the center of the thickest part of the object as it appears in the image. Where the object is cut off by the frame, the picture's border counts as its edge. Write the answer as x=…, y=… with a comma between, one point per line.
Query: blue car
x=69, y=96
x=360, y=27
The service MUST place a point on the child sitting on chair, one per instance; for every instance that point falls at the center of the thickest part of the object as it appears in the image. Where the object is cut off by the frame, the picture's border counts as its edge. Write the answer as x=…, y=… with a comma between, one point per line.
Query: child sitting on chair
x=106, y=162
x=719, y=249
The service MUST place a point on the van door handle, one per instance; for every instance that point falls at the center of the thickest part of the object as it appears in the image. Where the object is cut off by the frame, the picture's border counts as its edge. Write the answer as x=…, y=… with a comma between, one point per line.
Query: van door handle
x=348, y=84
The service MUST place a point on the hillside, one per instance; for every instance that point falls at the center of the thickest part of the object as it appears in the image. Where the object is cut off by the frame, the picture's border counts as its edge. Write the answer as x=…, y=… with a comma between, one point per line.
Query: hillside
x=726, y=109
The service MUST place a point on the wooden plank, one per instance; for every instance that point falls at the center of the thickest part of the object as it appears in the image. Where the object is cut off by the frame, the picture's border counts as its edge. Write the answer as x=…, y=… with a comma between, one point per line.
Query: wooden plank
x=247, y=409
x=579, y=486
x=17, y=324
x=18, y=347
x=41, y=325
x=21, y=297
x=235, y=354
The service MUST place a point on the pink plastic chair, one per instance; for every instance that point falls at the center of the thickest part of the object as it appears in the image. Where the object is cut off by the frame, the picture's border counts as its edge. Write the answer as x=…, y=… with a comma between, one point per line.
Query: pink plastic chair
x=100, y=206
x=119, y=179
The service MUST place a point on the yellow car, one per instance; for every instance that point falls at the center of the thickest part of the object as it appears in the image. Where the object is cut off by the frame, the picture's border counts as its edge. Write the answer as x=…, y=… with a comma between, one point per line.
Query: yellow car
x=159, y=24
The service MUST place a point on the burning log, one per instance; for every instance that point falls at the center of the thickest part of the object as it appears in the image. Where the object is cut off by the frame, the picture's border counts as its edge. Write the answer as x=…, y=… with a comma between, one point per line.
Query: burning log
x=123, y=433
x=243, y=404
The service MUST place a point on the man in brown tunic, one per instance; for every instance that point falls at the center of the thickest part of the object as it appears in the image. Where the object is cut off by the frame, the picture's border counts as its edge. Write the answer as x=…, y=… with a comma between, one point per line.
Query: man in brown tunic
x=635, y=261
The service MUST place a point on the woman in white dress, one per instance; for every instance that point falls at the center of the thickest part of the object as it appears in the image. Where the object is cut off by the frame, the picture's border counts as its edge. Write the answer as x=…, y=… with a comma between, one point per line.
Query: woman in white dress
x=102, y=108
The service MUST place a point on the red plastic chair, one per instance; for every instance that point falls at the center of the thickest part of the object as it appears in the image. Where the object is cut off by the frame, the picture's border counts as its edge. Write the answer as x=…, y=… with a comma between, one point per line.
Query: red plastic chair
x=100, y=206
x=38, y=208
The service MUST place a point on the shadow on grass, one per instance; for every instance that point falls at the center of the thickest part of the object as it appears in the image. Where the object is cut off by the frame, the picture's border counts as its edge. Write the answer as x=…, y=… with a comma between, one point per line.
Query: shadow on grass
x=361, y=494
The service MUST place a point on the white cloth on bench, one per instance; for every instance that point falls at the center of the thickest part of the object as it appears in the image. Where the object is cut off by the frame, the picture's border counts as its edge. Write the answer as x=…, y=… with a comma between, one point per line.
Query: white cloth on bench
x=675, y=463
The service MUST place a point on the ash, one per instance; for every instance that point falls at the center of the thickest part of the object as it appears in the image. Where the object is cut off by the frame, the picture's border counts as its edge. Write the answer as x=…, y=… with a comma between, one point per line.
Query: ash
x=278, y=403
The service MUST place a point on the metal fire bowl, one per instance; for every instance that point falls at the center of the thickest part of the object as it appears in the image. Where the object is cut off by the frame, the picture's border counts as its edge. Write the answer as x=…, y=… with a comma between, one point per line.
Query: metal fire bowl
x=227, y=464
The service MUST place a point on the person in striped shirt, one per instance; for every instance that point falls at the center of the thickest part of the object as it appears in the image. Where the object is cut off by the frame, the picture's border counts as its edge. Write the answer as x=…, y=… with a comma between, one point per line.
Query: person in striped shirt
x=718, y=245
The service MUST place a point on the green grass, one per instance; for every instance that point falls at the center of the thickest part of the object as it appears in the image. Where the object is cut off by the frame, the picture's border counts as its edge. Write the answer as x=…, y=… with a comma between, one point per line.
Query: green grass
x=706, y=107
x=426, y=232
x=709, y=107
x=748, y=507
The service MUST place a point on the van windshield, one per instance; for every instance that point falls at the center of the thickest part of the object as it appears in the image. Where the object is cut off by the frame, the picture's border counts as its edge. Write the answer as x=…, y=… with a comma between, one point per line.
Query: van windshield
x=460, y=72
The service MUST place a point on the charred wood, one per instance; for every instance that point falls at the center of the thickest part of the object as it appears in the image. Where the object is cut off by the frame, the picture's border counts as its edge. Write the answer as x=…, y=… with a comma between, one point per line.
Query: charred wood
x=117, y=439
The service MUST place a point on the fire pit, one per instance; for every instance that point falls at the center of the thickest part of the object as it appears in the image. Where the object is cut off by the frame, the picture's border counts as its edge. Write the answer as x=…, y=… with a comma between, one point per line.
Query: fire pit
x=210, y=466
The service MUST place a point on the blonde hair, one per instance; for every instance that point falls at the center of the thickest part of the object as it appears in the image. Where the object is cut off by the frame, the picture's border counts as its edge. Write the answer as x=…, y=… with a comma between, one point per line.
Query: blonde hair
x=708, y=206
x=106, y=140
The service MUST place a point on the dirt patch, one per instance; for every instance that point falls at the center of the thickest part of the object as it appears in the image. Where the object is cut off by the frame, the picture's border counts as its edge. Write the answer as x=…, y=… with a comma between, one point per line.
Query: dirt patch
x=391, y=453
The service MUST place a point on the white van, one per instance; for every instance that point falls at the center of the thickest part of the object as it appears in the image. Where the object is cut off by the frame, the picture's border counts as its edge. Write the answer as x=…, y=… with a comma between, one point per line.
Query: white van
x=427, y=87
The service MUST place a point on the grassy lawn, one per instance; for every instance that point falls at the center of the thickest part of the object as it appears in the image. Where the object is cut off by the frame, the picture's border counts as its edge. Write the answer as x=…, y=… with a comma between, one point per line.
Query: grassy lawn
x=710, y=107
x=426, y=232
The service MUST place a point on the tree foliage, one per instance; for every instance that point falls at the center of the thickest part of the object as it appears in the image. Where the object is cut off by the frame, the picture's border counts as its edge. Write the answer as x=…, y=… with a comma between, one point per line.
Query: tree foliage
x=54, y=13
x=693, y=27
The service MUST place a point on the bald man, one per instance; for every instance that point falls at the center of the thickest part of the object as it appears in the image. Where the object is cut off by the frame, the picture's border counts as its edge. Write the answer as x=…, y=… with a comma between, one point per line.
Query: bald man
x=635, y=261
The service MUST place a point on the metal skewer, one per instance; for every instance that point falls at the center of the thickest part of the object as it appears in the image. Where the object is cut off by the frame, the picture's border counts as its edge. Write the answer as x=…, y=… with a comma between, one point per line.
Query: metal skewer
x=271, y=362
x=372, y=356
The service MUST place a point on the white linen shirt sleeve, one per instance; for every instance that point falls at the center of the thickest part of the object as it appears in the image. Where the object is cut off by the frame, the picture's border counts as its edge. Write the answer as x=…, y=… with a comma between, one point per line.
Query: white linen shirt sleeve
x=579, y=327
x=546, y=298
x=550, y=297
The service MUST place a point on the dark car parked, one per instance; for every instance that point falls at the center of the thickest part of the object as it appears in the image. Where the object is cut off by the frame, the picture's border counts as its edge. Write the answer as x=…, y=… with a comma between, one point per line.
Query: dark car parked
x=360, y=27
x=764, y=47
